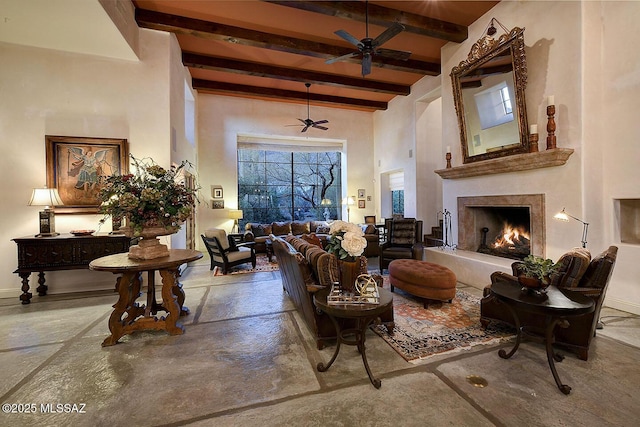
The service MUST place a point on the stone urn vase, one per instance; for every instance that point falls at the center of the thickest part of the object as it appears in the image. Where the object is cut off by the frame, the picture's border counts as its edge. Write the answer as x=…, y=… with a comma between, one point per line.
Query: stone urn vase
x=149, y=246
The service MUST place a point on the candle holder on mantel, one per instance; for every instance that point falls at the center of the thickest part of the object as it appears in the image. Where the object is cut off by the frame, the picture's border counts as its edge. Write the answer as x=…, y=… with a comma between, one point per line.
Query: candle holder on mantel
x=448, y=157
x=533, y=143
x=551, y=127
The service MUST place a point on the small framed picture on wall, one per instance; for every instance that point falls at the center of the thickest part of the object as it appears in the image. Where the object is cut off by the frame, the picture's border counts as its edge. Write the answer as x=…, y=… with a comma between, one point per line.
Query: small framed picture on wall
x=216, y=192
x=361, y=204
x=218, y=204
x=361, y=193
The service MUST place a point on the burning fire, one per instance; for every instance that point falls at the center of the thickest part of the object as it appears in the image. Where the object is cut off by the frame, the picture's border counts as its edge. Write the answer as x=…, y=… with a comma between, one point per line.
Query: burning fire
x=511, y=237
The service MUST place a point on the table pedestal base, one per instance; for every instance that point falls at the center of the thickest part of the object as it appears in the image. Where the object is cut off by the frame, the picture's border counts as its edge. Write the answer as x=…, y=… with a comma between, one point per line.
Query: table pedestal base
x=124, y=319
x=549, y=338
x=359, y=335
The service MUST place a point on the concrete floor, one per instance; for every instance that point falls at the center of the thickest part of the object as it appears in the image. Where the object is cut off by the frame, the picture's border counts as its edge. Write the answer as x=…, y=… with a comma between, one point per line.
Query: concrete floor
x=246, y=358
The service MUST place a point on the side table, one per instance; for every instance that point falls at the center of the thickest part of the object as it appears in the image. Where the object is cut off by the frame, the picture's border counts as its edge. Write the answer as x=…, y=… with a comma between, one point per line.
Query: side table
x=364, y=314
x=556, y=306
x=127, y=315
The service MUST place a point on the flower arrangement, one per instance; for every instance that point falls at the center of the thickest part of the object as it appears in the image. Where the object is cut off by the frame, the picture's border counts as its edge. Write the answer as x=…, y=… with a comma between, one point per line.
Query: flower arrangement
x=347, y=240
x=150, y=197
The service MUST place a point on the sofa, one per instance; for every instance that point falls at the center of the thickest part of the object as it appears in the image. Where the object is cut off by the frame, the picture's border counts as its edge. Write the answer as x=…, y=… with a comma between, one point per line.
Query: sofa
x=259, y=233
x=576, y=272
x=305, y=269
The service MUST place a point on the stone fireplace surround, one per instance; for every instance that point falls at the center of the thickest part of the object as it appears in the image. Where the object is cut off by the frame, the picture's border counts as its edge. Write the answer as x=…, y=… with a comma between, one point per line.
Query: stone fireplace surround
x=474, y=268
x=469, y=228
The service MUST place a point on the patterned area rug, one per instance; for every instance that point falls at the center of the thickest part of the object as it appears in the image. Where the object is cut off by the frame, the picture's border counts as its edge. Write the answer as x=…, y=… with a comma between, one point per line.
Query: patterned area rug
x=442, y=328
x=262, y=264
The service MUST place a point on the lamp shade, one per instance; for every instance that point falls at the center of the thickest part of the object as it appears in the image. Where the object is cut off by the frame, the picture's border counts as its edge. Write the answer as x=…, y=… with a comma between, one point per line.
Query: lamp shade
x=562, y=216
x=235, y=214
x=45, y=197
x=348, y=201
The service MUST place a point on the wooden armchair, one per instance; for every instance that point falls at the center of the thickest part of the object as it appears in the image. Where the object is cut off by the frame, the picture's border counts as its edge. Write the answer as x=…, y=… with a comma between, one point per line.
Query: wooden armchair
x=588, y=278
x=224, y=252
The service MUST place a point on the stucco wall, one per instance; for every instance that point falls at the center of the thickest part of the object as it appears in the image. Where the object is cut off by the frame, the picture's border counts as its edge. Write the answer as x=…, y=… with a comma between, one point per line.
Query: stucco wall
x=47, y=92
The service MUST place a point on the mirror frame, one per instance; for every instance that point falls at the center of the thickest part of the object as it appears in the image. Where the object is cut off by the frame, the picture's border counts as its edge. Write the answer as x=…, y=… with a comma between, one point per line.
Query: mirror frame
x=481, y=52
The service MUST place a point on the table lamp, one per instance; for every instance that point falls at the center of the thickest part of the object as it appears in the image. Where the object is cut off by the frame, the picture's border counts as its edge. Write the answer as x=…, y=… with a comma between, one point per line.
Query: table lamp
x=563, y=216
x=47, y=197
x=348, y=201
x=326, y=203
x=235, y=215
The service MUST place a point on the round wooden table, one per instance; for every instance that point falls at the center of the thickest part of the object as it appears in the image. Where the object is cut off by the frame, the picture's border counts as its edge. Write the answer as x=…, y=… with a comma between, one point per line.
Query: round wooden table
x=556, y=306
x=364, y=314
x=128, y=315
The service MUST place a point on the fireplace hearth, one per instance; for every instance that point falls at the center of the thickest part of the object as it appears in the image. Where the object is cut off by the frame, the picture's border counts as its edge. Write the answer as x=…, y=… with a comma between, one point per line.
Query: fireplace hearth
x=506, y=226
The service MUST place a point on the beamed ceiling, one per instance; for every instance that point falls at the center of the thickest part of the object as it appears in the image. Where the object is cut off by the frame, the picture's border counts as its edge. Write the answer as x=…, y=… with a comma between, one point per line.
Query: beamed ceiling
x=270, y=49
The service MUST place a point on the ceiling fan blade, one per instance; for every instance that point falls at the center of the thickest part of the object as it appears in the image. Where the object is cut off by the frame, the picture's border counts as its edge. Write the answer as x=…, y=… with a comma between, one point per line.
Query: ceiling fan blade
x=390, y=32
x=320, y=122
x=401, y=55
x=348, y=37
x=304, y=122
x=320, y=127
x=305, y=129
x=366, y=64
x=341, y=58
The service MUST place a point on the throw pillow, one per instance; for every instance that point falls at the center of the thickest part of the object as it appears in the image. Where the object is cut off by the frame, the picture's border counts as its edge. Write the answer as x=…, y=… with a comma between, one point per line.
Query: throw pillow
x=298, y=228
x=312, y=238
x=259, y=230
x=281, y=228
x=571, y=267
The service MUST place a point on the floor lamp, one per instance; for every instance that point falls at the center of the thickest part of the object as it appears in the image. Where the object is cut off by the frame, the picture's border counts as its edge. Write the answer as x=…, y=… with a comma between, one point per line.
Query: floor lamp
x=349, y=201
x=235, y=215
x=563, y=216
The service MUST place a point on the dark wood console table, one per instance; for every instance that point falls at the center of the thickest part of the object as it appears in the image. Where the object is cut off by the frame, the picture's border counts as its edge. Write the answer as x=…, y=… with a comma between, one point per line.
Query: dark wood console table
x=63, y=252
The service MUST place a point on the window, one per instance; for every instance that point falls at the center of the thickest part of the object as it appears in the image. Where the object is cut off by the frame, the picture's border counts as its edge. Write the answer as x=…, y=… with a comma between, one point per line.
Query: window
x=494, y=106
x=396, y=186
x=286, y=185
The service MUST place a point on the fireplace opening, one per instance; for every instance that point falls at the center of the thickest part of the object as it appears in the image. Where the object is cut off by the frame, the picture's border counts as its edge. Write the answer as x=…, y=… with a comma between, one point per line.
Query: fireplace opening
x=524, y=212
x=504, y=231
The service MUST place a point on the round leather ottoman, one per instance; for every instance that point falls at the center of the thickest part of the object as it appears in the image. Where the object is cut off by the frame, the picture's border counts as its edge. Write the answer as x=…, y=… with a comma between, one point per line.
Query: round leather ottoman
x=423, y=279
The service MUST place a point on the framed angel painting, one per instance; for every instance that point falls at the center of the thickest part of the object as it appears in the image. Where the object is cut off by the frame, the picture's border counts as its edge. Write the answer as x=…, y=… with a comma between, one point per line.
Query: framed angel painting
x=76, y=166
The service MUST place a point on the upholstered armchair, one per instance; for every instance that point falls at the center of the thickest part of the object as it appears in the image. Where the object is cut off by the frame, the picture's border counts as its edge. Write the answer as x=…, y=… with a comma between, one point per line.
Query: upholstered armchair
x=224, y=252
x=578, y=273
x=404, y=240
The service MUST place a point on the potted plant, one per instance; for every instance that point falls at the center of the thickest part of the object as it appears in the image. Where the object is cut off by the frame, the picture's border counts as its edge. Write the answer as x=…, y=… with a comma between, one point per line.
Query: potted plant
x=535, y=272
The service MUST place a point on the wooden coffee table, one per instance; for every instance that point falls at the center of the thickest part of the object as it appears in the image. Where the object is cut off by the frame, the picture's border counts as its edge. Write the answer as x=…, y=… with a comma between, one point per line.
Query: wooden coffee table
x=556, y=306
x=364, y=314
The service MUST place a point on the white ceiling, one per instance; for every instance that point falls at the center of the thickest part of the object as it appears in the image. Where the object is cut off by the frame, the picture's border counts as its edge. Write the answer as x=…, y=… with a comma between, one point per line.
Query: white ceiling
x=81, y=26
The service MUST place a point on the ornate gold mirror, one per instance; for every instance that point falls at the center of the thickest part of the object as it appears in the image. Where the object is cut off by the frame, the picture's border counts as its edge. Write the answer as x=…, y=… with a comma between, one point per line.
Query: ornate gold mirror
x=488, y=91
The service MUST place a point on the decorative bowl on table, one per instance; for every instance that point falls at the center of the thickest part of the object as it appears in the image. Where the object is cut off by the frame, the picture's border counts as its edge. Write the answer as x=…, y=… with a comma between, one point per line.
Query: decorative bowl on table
x=82, y=232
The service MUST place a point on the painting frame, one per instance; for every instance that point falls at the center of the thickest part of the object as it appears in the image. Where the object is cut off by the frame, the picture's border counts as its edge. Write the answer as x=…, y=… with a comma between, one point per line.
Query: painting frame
x=217, y=192
x=361, y=204
x=217, y=204
x=74, y=169
x=361, y=193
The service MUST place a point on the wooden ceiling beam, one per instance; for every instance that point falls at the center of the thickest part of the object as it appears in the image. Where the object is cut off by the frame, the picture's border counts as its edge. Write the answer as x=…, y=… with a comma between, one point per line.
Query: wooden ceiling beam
x=214, y=31
x=233, y=88
x=378, y=15
x=195, y=60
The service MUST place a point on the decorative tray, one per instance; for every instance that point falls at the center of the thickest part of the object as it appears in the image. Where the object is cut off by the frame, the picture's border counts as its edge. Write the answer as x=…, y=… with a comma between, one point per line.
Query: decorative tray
x=82, y=232
x=369, y=295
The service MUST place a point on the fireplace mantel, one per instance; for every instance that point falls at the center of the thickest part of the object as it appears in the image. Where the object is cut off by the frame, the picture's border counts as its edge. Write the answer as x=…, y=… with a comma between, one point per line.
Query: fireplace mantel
x=514, y=163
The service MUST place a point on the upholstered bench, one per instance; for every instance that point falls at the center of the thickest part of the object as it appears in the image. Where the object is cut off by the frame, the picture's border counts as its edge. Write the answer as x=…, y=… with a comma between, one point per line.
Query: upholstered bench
x=423, y=279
